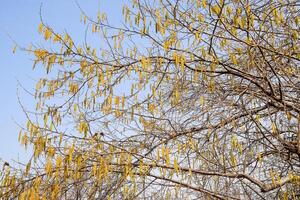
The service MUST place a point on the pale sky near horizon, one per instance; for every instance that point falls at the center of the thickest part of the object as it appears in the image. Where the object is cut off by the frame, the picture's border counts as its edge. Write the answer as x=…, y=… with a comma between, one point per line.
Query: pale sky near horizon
x=19, y=21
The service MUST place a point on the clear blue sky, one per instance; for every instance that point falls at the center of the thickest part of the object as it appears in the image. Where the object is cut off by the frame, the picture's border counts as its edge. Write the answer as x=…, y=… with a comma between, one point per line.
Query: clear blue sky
x=20, y=19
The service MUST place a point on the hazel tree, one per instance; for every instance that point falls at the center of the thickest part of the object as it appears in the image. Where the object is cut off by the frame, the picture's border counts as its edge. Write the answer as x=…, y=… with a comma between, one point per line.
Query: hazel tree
x=189, y=99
